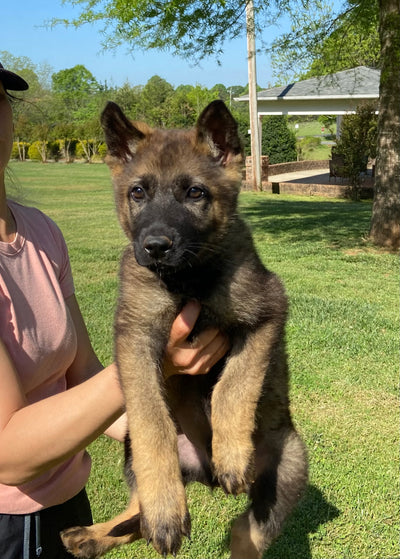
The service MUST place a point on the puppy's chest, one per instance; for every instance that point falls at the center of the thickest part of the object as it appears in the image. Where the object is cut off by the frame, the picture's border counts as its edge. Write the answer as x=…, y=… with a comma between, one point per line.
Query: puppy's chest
x=226, y=301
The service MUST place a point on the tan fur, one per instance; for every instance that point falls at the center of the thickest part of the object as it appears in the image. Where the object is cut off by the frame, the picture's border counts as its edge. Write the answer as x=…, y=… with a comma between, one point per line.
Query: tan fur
x=94, y=541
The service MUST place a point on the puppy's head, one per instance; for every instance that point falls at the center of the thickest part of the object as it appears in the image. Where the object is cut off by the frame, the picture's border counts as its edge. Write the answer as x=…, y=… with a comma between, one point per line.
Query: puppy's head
x=176, y=190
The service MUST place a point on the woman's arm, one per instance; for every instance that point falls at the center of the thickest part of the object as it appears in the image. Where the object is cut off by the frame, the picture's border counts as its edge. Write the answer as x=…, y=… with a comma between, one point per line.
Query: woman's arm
x=36, y=437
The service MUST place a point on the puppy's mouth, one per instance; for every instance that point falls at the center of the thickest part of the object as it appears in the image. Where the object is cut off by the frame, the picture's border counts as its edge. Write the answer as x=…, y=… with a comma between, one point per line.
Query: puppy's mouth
x=161, y=253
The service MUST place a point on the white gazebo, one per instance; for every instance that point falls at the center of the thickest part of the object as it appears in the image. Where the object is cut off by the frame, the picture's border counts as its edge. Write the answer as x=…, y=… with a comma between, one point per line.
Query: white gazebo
x=335, y=94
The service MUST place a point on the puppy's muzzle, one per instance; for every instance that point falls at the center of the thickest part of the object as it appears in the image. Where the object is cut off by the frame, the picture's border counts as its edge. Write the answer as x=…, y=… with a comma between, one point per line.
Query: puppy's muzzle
x=157, y=247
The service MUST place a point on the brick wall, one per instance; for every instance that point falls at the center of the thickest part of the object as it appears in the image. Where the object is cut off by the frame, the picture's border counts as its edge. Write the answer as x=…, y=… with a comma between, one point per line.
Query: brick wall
x=279, y=168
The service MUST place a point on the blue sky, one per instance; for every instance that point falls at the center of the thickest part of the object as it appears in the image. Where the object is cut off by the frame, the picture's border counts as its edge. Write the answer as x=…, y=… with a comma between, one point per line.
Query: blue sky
x=24, y=34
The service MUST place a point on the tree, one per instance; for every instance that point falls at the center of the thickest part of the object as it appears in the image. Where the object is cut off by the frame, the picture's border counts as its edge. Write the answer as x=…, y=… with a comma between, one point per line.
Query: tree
x=128, y=98
x=357, y=143
x=77, y=88
x=155, y=98
x=278, y=141
x=322, y=43
x=199, y=97
x=385, y=223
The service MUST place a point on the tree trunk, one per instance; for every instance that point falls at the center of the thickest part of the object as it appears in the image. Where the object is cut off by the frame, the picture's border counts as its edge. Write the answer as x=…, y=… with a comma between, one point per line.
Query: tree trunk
x=385, y=222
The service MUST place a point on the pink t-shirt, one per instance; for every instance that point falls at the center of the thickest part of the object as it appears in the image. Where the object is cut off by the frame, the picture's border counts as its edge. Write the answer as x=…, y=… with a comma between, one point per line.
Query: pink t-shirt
x=37, y=329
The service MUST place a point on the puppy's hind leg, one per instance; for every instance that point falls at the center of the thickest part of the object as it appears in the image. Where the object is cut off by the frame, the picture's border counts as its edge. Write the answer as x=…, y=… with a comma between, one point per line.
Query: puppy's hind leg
x=89, y=542
x=280, y=481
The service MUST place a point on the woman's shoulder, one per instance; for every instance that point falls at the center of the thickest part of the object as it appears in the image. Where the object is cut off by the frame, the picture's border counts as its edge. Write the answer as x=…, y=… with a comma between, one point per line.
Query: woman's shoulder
x=28, y=212
x=33, y=219
x=40, y=234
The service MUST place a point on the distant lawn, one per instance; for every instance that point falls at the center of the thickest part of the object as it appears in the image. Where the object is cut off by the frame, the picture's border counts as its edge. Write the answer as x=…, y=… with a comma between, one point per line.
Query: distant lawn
x=343, y=345
x=311, y=128
x=320, y=153
x=314, y=128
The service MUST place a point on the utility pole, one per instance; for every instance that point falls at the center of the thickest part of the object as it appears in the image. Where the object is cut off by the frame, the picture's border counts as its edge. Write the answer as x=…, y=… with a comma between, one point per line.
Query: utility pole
x=254, y=126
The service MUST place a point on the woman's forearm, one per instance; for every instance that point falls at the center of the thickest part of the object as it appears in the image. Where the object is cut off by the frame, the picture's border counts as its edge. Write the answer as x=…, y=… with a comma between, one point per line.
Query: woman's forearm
x=44, y=434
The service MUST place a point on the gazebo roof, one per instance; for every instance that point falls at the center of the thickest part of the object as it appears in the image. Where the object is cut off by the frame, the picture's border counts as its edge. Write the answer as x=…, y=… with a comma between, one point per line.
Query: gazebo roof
x=337, y=93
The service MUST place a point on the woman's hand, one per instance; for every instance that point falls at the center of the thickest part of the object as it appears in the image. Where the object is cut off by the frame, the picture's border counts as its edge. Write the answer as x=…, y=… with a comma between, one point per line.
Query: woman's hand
x=192, y=358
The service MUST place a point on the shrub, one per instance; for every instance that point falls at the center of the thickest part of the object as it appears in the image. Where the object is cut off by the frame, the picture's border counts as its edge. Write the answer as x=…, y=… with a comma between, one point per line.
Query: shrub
x=357, y=143
x=278, y=141
x=307, y=145
x=67, y=149
x=102, y=150
x=88, y=149
x=38, y=151
x=53, y=150
x=81, y=150
x=20, y=150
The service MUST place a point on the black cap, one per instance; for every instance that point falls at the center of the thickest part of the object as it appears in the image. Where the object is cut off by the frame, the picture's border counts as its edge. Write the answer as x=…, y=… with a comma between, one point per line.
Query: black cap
x=12, y=81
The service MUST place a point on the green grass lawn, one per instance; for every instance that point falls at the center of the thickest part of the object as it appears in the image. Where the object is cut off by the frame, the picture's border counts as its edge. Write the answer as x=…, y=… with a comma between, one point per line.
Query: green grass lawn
x=342, y=341
x=311, y=128
x=314, y=128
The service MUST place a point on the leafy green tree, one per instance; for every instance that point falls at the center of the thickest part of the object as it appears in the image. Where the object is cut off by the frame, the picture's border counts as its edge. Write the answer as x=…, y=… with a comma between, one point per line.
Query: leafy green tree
x=77, y=90
x=183, y=114
x=278, y=141
x=357, y=143
x=128, y=98
x=65, y=133
x=76, y=104
x=35, y=75
x=321, y=42
x=222, y=93
x=154, y=101
x=199, y=97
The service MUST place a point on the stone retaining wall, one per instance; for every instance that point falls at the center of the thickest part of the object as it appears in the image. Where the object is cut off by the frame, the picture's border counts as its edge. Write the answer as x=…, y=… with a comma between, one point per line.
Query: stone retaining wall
x=268, y=170
x=305, y=189
x=332, y=190
x=302, y=189
x=293, y=166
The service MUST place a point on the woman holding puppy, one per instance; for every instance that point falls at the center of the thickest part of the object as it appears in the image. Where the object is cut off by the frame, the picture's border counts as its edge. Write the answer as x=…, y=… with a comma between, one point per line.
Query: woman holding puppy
x=55, y=395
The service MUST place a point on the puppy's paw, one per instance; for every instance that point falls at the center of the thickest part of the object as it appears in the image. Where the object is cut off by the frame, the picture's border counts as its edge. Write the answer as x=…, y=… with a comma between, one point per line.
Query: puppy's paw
x=234, y=471
x=165, y=521
x=166, y=536
x=233, y=484
x=80, y=542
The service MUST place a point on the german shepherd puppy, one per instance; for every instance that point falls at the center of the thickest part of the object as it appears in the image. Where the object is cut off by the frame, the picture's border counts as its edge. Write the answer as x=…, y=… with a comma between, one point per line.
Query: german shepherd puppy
x=176, y=194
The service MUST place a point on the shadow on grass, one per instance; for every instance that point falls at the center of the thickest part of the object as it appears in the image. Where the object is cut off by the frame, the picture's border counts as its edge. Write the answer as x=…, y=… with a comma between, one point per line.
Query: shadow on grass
x=312, y=512
x=341, y=223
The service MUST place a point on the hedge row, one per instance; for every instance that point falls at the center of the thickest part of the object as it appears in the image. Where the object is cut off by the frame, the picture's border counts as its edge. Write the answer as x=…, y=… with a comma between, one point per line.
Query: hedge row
x=67, y=150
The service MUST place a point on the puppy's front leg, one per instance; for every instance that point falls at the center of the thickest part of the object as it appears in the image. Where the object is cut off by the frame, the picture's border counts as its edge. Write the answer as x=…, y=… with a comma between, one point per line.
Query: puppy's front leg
x=163, y=510
x=233, y=407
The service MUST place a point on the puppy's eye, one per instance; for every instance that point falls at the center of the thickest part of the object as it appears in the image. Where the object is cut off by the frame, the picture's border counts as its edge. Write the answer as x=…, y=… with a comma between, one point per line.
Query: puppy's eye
x=137, y=193
x=196, y=193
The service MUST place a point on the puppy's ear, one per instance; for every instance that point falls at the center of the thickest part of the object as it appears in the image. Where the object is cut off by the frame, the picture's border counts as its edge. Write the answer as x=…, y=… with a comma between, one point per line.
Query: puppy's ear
x=217, y=127
x=122, y=137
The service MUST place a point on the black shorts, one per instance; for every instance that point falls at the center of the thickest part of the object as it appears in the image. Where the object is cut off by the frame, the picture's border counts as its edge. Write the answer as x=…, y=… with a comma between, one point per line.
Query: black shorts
x=38, y=535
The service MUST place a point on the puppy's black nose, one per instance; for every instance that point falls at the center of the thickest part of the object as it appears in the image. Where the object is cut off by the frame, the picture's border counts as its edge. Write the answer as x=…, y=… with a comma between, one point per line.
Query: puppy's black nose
x=157, y=246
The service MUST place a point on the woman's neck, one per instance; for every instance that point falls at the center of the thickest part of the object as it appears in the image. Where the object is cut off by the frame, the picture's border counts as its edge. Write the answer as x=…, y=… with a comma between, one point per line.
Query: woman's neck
x=8, y=227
